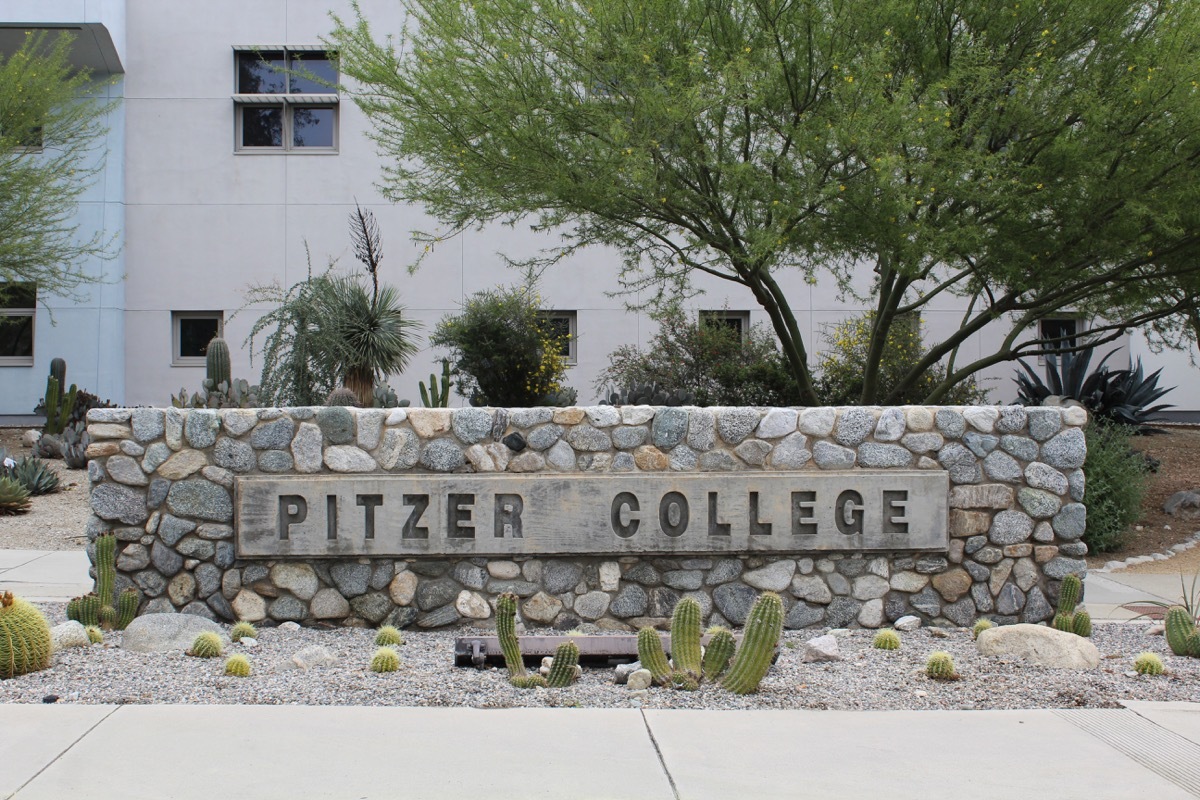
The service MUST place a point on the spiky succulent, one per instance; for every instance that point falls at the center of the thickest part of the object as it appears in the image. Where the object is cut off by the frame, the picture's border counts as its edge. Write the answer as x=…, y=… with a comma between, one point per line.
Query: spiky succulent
x=562, y=669
x=25, y=643
x=981, y=626
x=721, y=646
x=35, y=475
x=206, y=645
x=14, y=498
x=886, y=640
x=650, y=653
x=94, y=634
x=385, y=660
x=237, y=666
x=684, y=680
x=940, y=666
x=1148, y=664
x=529, y=681
x=764, y=626
x=243, y=630
x=388, y=636
x=342, y=397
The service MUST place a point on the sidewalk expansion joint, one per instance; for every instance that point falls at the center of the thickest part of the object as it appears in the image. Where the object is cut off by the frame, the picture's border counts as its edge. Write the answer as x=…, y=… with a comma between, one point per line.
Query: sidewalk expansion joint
x=65, y=750
x=1163, y=752
x=658, y=752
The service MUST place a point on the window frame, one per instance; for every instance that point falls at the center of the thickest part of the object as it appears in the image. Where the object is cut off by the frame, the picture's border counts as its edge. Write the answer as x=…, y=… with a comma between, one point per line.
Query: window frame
x=31, y=313
x=1042, y=333
x=571, y=358
x=179, y=360
x=724, y=316
x=288, y=102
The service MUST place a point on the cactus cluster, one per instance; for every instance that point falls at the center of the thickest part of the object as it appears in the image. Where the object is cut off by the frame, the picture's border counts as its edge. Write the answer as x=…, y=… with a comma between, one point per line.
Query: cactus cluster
x=940, y=666
x=1067, y=618
x=562, y=668
x=25, y=643
x=981, y=626
x=763, y=628
x=886, y=640
x=1181, y=632
x=652, y=656
x=237, y=666
x=58, y=404
x=220, y=389
x=105, y=607
x=435, y=395
x=648, y=394
x=385, y=660
x=206, y=645
x=243, y=630
x=388, y=636
x=1148, y=664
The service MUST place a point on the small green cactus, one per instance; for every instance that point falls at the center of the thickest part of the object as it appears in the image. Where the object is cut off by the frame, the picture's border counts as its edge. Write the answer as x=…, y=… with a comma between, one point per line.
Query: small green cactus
x=684, y=680
x=243, y=630
x=1069, y=593
x=886, y=640
x=432, y=396
x=650, y=653
x=388, y=636
x=25, y=643
x=385, y=660
x=1181, y=632
x=763, y=628
x=237, y=666
x=685, y=636
x=105, y=607
x=206, y=645
x=720, y=649
x=94, y=634
x=127, y=606
x=981, y=626
x=528, y=681
x=562, y=668
x=216, y=362
x=342, y=397
x=506, y=632
x=940, y=666
x=1148, y=664
x=1062, y=622
x=1081, y=624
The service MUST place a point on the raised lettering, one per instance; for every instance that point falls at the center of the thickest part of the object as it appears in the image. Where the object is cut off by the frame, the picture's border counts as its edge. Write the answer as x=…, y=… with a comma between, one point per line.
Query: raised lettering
x=893, y=501
x=411, y=530
x=757, y=528
x=848, y=513
x=508, y=515
x=293, y=509
x=803, y=523
x=369, y=503
x=673, y=514
x=620, y=503
x=715, y=528
x=458, y=511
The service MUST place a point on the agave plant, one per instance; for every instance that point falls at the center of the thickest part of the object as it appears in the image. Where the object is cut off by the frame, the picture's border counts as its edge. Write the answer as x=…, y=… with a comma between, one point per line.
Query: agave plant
x=14, y=498
x=34, y=474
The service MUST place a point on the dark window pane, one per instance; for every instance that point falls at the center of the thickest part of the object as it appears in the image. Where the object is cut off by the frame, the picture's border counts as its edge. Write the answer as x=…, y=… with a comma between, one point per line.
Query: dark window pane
x=262, y=127
x=194, y=335
x=16, y=337
x=18, y=295
x=261, y=73
x=312, y=73
x=560, y=329
x=718, y=320
x=312, y=127
x=1064, y=330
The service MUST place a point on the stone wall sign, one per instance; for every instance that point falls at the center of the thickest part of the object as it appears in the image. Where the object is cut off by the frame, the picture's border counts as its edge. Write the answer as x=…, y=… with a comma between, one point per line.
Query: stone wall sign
x=471, y=515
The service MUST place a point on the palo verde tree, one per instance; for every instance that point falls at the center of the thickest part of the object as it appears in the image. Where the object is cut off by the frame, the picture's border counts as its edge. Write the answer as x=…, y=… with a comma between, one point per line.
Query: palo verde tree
x=51, y=137
x=1028, y=158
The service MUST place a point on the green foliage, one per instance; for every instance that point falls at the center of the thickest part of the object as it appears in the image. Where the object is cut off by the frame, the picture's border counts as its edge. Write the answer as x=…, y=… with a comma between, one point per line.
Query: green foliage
x=886, y=640
x=763, y=628
x=14, y=498
x=707, y=362
x=685, y=637
x=1148, y=664
x=502, y=350
x=720, y=649
x=342, y=397
x=25, y=643
x=562, y=668
x=506, y=632
x=243, y=630
x=388, y=636
x=237, y=666
x=432, y=396
x=1116, y=483
x=32, y=473
x=841, y=367
x=652, y=656
x=206, y=645
x=385, y=660
x=216, y=362
x=940, y=666
x=94, y=634
x=981, y=625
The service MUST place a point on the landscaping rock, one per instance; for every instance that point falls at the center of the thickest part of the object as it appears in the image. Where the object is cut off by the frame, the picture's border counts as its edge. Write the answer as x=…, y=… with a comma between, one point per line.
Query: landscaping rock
x=164, y=633
x=1039, y=645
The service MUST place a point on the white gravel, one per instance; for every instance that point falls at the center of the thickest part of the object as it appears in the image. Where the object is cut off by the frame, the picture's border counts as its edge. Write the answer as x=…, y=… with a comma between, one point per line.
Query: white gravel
x=866, y=679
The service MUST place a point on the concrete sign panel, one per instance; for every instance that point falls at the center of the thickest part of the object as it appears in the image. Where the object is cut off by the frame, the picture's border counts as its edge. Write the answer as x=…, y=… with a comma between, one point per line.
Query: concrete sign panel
x=505, y=515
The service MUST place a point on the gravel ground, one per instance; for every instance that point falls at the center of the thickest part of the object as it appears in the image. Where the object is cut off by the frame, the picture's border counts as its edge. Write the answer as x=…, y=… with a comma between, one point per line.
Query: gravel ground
x=57, y=521
x=866, y=679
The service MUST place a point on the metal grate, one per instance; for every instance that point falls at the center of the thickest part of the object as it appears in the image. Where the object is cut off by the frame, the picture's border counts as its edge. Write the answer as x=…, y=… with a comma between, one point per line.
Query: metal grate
x=1159, y=750
x=1149, y=611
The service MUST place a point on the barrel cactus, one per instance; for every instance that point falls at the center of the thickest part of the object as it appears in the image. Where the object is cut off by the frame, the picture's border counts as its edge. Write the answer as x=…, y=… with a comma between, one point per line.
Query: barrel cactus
x=206, y=645
x=238, y=666
x=650, y=653
x=1148, y=664
x=763, y=628
x=685, y=636
x=94, y=634
x=886, y=640
x=385, y=660
x=562, y=669
x=940, y=666
x=720, y=649
x=25, y=643
x=506, y=632
x=981, y=626
x=388, y=636
x=216, y=362
x=243, y=630
x=342, y=397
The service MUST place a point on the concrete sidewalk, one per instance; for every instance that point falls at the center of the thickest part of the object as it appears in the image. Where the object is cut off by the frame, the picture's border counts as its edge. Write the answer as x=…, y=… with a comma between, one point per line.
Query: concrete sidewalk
x=185, y=752
x=45, y=575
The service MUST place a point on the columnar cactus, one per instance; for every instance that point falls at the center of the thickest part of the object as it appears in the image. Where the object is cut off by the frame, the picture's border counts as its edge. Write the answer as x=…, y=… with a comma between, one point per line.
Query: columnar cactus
x=25, y=643
x=1081, y=624
x=1181, y=632
x=58, y=370
x=650, y=653
x=685, y=636
x=720, y=649
x=763, y=628
x=105, y=607
x=529, y=681
x=1068, y=619
x=886, y=640
x=940, y=666
x=385, y=660
x=206, y=645
x=1069, y=593
x=562, y=669
x=1148, y=664
x=216, y=362
x=506, y=632
x=238, y=666
x=685, y=681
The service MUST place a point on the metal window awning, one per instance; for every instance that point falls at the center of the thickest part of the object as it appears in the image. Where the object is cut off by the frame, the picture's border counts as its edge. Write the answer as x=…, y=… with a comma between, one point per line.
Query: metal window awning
x=267, y=99
x=291, y=48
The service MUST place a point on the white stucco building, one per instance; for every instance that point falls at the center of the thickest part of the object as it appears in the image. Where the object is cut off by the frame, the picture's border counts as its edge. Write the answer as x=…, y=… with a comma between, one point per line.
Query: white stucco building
x=216, y=179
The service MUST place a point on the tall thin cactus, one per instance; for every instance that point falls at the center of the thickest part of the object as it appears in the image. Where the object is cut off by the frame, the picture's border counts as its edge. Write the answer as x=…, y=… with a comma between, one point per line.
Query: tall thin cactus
x=506, y=632
x=763, y=628
x=562, y=668
x=217, y=364
x=433, y=396
x=720, y=649
x=685, y=636
x=650, y=653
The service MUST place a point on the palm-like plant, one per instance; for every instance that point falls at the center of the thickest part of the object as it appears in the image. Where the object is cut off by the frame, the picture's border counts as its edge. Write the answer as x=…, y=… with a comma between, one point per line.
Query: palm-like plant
x=371, y=333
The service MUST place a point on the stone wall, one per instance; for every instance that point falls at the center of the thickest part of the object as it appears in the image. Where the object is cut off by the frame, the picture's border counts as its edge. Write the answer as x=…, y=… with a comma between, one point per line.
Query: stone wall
x=163, y=482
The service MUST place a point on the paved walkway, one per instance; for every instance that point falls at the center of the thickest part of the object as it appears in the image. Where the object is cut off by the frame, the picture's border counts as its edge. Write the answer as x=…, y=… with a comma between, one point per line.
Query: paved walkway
x=200, y=752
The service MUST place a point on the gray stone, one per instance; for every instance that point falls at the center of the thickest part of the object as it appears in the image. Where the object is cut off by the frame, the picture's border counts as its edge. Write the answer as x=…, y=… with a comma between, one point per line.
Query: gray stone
x=791, y=453
x=328, y=604
x=309, y=657
x=927, y=602
x=1010, y=527
x=560, y=576
x=980, y=443
x=683, y=579
x=352, y=579
x=822, y=648
x=982, y=418
x=842, y=611
x=434, y=593
x=171, y=529
x=165, y=633
x=132, y=448
x=1039, y=645
x=471, y=425
x=401, y=617
x=1044, y=422
x=1037, y=607
x=734, y=600
x=627, y=438
x=173, y=427
x=623, y=462
x=201, y=428
x=1010, y=600
x=528, y=417
x=1071, y=522
x=541, y=608
x=774, y=577
x=723, y=571
x=218, y=475
x=1002, y=467
x=275, y=435
x=561, y=456
x=400, y=449
x=287, y=607
x=928, y=565
x=631, y=601
x=684, y=459
x=959, y=462
x=470, y=575
x=871, y=614
x=220, y=607
x=869, y=587
x=234, y=455
x=336, y=424
x=982, y=598
x=1059, y=568
x=851, y=567
x=69, y=634
x=1043, y=532
x=1021, y=447
x=307, y=448
x=907, y=623
x=989, y=555
x=150, y=582
x=165, y=560
x=156, y=455
x=430, y=569
x=838, y=583
x=669, y=427
x=891, y=425
x=299, y=579
x=777, y=423
x=348, y=458
x=854, y=425
x=124, y=469
x=701, y=429
x=195, y=547
x=442, y=455
x=908, y=581
x=735, y=424
x=602, y=416
x=181, y=590
x=817, y=421
x=961, y=613
x=1066, y=450
x=592, y=606
x=802, y=615
x=147, y=424
x=588, y=439
x=950, y=423
x=662, y=601
x=225, y=555
x=1073, y=549
x=827, y=455
x=157, y=493
x=208, y=579
x=636, y=415
x=237, y=421
x=1077, y=483
x=923, y=442
x=372, y=607
x=275, y=461
x=112, y=502
x=718, y=461
x=1040, y=476
x=135, y=556
x=201, y=499
x=1012, y=419
x=873, y=455
x=753, y=451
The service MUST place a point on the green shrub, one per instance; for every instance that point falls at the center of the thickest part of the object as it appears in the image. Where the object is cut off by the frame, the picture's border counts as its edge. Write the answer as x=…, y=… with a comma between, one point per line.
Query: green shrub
x=712, y=362
x=503, y=351
x=1116, y=482
x=839, y=372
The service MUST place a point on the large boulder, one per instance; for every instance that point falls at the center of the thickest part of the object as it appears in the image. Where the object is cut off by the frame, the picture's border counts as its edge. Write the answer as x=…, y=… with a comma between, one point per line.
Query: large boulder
x=163, y=633
x=1037, y=644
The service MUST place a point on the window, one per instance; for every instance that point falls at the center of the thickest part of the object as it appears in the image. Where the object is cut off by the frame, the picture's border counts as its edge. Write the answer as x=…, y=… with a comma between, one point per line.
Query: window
x=283, y=102
x=1060, y=334
x=18, y=302
x=738, y=321
x=191, y=331
x=565, y=327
